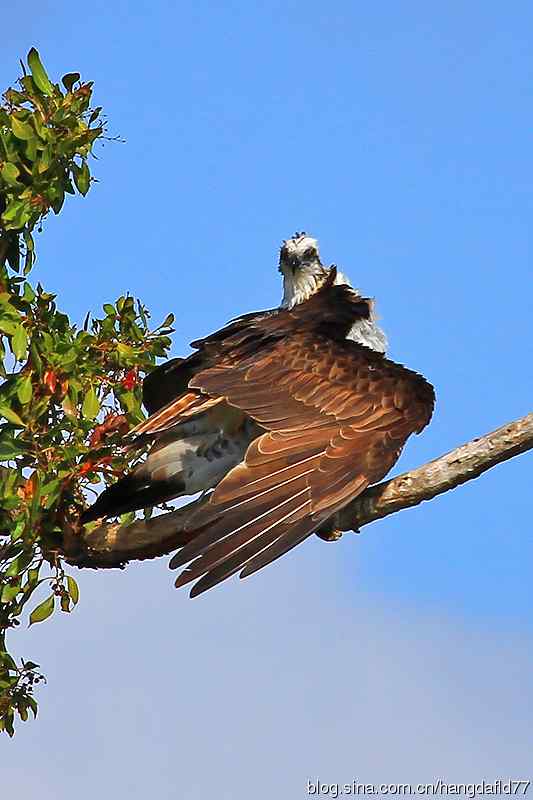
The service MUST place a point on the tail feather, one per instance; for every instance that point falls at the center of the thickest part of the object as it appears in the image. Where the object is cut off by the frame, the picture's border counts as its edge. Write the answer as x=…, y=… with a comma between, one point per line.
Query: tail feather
x=132, y=493
x=193, y=457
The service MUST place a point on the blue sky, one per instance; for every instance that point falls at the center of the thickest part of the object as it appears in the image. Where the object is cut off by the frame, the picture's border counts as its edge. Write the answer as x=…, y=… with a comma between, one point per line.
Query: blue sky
x=400, y=135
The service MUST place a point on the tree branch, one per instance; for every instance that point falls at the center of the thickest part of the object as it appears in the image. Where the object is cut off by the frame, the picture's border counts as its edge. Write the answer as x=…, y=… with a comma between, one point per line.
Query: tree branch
x=112, y=545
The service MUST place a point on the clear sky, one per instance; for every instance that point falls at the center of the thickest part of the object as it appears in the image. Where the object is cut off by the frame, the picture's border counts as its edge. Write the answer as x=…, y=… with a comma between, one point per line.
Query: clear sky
x=400, y=135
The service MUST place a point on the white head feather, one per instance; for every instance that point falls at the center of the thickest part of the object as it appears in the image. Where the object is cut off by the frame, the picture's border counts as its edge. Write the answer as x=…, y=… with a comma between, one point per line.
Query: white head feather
x=303, y=274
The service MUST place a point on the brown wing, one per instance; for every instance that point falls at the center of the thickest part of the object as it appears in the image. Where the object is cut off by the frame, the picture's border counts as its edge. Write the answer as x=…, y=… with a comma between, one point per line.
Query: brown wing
x=165, y=383
x=336, y=417
x=178, y=410
x=168, y=391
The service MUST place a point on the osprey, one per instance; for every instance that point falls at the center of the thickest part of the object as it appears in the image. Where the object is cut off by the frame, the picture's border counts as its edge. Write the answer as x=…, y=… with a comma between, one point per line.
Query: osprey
x=286, y=415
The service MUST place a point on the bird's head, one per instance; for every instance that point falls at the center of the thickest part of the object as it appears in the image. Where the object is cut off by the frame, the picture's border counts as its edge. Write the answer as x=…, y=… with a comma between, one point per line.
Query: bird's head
x=304, y=274
x=301, y=267
x=300, y=252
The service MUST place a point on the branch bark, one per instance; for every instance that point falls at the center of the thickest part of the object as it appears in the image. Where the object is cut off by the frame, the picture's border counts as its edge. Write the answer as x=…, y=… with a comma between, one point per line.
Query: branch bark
x=112, y=545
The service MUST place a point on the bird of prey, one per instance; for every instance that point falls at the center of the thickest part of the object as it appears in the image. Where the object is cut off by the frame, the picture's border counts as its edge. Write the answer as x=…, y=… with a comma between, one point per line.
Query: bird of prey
x=284, y=415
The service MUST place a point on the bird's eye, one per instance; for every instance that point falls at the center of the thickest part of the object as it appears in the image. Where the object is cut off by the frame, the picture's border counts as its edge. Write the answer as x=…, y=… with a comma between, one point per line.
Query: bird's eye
x=309, y=253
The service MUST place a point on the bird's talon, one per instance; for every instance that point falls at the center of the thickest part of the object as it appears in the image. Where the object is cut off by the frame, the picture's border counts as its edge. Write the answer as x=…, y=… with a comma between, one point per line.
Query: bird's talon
x=329, y=535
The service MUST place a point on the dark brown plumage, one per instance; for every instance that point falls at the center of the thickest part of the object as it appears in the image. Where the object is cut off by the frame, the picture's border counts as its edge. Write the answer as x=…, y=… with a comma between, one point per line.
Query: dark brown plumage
x=332, y=417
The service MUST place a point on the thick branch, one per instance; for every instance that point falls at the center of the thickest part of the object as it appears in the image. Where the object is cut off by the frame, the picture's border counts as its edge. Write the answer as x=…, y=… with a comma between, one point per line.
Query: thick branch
x=111, y=545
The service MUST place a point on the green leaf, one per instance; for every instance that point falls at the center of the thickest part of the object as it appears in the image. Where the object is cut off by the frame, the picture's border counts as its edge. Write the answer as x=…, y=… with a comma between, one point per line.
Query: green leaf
x=9, y=448
x=41, y=79
x=73, y=590
x=21, y=129
x=94, y=114
x=29, y=261
x=91, y=404
x=10, y=591
x=57, y=198
x=16, y=216
x=7, y=723
x=33, y=705
x=12, y=210
x=43, y=610
x=36, y=358
x=69, y=80
x=11, y=416
x=168, y=321
x=19, y=342
x=10, y=503
x=29, y=84
x=109, y=309
x=40, y=127
x=10, y=174
x=14, y=97
x=28, y=241
x=125, y=350
x=31, y=149
x=7, y=661
x=19, y=563
x=82, y=178
x=18, y=532
x=24, y=390
x=8, y=326
x=45, y=160
x=69, y=407
x=127, y=401
x=32, y=583
x=29, y=294
x=51, y=491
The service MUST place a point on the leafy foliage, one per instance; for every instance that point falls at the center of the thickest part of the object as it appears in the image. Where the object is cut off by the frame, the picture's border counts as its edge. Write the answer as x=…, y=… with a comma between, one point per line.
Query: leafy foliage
x=46, y=136
x=66, y=392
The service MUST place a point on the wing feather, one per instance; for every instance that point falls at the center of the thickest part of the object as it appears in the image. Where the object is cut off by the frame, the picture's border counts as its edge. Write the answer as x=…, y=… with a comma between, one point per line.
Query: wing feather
x=173, y=413
x=251, y=536
x=333, y=417
x=336, y=417
x=298, y=533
